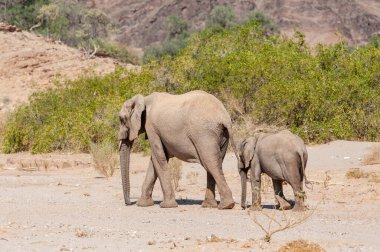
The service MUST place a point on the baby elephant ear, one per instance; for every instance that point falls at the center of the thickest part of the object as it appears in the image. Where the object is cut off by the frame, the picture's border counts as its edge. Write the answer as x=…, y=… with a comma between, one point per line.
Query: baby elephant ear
x=249, y=146
x=138, y=106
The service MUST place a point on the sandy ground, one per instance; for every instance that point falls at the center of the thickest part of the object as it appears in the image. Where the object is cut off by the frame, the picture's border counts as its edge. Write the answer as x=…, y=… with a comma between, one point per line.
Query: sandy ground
x=69, y=207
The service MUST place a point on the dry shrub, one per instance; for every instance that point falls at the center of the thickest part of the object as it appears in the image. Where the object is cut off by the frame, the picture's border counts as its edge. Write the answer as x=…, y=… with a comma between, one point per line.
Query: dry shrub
x=373, y=156
x=301, y=246
x=105, y=158
x=274, y=223
x=81, y=233
x=266, y=183
x=192, y=177
x=175, y=170
x=357, y=173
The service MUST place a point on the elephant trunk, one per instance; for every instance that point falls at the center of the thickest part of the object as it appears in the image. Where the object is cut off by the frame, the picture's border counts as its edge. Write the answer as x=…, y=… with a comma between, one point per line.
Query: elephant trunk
x=125, y=153
x=243, y=177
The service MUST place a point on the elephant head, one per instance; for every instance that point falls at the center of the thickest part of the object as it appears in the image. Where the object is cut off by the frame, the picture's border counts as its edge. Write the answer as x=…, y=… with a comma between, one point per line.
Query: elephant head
x=130, y=126
x=246, y=153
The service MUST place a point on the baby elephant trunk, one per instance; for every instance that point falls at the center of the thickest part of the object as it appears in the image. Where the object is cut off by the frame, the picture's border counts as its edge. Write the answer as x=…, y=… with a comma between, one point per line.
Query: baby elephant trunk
x=243, y=177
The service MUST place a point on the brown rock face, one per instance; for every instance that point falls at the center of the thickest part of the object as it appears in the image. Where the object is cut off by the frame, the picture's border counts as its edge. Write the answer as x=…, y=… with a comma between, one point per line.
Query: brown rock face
x=326, y=21
x=143, y=22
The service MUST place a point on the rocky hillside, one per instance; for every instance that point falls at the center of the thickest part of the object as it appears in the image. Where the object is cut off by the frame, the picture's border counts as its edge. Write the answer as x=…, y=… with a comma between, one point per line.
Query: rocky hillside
x=29, y=62
x=143, y=22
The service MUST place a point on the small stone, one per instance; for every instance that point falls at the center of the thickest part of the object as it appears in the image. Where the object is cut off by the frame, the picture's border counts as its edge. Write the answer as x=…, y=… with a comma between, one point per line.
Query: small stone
x=152, y=242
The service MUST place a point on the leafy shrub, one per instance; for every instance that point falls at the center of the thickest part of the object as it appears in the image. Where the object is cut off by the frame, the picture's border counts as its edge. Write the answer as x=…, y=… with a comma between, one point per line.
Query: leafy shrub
x=69, y=117
x=331, y=92
x=117, y=51
x=21, y=13
x=221, y=16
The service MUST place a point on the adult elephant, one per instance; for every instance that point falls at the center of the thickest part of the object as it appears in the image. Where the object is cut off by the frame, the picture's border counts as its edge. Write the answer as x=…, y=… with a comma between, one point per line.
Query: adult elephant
x=193, y=127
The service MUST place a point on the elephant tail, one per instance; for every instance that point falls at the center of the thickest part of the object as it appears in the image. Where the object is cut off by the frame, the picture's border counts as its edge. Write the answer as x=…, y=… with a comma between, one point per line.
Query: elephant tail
x=303, y=156
x=233, y=143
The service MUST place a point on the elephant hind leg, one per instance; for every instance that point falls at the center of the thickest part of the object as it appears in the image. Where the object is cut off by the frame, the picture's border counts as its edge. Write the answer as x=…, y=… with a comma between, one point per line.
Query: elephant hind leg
x=210, y=189
x=210, y=193
x=210, y=156
x=279, y=195
x=299, y=196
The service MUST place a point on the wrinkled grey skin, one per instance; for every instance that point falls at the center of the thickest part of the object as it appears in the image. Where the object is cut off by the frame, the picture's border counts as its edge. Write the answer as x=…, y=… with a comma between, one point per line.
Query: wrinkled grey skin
x=283, y=157
x=193, y=127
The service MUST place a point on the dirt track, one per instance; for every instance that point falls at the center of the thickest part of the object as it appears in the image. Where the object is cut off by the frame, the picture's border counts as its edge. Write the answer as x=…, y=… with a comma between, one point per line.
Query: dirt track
x=72, y=208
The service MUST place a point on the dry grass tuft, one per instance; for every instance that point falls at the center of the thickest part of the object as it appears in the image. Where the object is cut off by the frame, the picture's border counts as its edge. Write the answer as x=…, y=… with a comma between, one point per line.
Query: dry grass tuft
x=266, y=183
x=105, y=158
x=175, y=170
x=192, y=177
x=373, y=156
x=81, y=233
x=274, y=223
x=357, y=173
x=301, y=246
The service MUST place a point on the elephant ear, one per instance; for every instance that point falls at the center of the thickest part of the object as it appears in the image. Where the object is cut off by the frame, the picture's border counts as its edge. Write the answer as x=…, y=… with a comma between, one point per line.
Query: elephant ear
x=249, y=146
x=138, y=106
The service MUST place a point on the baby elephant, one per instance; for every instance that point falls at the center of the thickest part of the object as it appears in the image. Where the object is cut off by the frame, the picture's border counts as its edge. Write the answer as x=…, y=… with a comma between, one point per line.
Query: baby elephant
x=283, y=157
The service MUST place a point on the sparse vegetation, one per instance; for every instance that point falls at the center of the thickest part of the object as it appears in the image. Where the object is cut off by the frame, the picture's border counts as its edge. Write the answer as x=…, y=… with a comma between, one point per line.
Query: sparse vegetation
x=192, y=177
x=301, y=246
x=266, y=183
x=81, y=233
x=175, y=169
x=105, y=158
x=221, y=16
x=275, y=223
x=176, y=39
x=357, y=173
x=373, y=156
x=69, y=21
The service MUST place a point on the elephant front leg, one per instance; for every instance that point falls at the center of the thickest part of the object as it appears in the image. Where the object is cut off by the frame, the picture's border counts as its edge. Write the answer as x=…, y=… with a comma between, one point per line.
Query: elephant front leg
x=256, y=186
x=160, y=163
x=210, y=193
x=283, y=204
x=147, y=188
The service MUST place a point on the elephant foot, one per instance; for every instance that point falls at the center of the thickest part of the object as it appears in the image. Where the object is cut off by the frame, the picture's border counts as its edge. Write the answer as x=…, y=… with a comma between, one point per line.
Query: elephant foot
x=226, y=204
x=169, y=203
x=210, y=203
x=255, y=208
x=145, y=202
x=283, y=203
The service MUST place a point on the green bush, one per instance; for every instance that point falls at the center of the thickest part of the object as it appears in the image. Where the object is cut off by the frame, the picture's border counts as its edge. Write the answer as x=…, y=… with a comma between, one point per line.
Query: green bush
x=330, y=93
x=322, y=94
x=221, y=16
x=69, y=117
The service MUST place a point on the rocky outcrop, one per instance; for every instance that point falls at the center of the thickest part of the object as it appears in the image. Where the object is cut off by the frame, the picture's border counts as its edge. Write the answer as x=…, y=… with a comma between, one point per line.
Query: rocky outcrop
x=326, y=21
x=143, y=22
x=30, y=63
